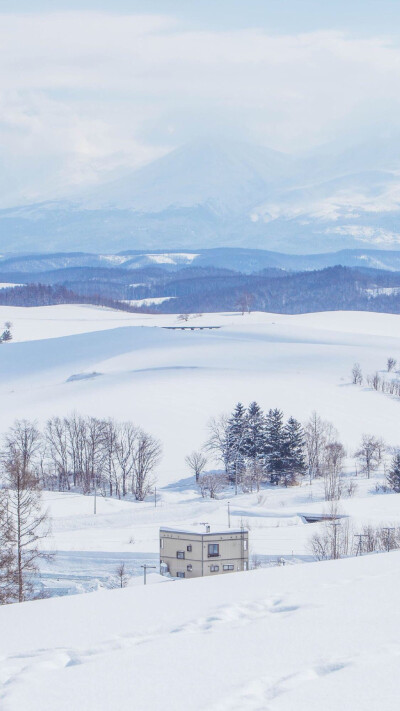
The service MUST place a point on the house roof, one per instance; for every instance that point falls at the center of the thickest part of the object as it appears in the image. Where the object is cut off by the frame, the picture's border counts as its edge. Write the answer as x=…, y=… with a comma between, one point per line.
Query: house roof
x=194, y=531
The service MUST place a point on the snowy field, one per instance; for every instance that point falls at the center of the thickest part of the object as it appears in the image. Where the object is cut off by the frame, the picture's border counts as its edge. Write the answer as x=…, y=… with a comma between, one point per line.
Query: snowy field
x=171, y=382
x=301, y=637
x=214, y=643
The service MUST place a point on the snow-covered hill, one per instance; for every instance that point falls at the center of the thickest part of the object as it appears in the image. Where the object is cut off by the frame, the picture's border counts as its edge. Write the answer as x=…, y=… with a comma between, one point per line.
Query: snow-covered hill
x=299, y=363
x=278, y=639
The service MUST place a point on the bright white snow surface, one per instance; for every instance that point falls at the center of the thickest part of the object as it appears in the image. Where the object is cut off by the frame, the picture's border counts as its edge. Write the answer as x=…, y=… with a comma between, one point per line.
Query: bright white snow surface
x=149, y=301
x=8, y=285
x=294, y=637
x=324, y=635
x=171, y=381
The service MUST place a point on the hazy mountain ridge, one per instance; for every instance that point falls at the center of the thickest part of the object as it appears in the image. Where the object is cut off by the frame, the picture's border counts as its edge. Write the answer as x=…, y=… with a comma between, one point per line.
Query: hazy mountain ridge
x=236, y=259
x=229, y=194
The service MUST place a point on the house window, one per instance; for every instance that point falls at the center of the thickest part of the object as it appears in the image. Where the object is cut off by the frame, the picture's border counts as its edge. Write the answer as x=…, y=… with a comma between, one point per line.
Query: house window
x=229, y=567
x=214, y=568
x=161, y=543
x=213, y=550
x=189, y=549
x=180, y=574
x=245, y=545
x=190, y=567
x=180, y=554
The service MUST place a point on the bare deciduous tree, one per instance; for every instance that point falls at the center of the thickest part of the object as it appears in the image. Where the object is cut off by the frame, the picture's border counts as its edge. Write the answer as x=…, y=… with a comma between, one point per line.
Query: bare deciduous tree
x=244, y=303
x=125, y=452
x=334, y=541
x=334, y=457
x=218, y=442
x=196, y=461
x=56, y=436
x=253, y=475
x=211, y=484
x=318, y=433
x=375, y=381
x=26, y=522
x=370, y=454
x=147, y=454
x=121, y=577
x=391, y=364
x=356, y=374
x=7, y=563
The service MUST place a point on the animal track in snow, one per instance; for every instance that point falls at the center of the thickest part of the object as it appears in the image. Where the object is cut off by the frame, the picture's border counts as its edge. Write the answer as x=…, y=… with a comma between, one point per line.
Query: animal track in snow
x=238, y=613
x=260, y=693
x=241, y=613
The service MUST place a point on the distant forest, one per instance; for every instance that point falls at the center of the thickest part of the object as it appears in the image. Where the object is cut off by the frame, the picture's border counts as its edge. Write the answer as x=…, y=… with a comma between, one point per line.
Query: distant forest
x=209, y=289
x=45, y=295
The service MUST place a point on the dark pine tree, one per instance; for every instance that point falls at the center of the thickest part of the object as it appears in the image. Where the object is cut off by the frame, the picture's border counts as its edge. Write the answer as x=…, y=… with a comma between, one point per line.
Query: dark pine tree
x=275, y=445
x=236, y=433
x=394, y=473
x=254, y=440
x=294, y=452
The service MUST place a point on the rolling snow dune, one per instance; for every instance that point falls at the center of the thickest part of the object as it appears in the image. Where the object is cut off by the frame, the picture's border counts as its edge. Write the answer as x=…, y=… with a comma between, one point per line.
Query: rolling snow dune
x=172, y=382
x=279, y=639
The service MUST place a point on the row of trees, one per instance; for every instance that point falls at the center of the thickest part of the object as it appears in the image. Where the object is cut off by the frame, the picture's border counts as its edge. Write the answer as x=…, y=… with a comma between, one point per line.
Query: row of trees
x=85, y=452
x=388, y=386
x=90, y=453
x=256, y=447
x=338, y=539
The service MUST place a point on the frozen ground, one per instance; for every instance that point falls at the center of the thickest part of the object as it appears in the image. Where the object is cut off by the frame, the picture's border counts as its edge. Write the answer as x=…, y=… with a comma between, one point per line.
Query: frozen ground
x=279, y=638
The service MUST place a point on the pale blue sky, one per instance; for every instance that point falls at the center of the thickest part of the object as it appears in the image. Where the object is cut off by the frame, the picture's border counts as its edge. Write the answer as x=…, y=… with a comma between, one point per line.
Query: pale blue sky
x=363, y=16
x=92, y=88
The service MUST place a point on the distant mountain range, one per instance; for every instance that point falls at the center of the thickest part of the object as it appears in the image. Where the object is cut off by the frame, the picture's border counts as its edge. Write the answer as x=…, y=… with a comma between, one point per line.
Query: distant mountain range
x=217, y=193
x=30, y=267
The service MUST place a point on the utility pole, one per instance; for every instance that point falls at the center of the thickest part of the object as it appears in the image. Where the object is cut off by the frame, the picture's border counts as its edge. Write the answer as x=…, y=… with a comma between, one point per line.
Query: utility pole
x=155, y=496
x=95, y=497
x=145, y=567
x=388, y=529
x=360, y=536
x=229, y=514
x=335, y=525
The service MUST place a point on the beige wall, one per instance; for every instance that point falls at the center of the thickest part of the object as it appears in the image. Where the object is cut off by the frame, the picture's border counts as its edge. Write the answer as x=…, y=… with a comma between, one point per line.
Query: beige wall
x=233, y=550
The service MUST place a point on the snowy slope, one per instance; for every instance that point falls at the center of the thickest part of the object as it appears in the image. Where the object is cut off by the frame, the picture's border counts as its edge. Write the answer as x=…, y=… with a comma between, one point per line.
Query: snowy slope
x=299, y=363
x=279, y=639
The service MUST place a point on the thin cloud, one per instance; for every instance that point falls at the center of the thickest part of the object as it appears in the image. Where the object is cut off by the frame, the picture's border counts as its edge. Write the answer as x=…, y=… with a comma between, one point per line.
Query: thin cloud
x=94, y=92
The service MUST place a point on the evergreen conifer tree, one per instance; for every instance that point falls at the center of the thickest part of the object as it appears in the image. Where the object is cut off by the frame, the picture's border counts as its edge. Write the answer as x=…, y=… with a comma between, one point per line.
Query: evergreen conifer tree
x=236, y=433
x=275, y=445
x=394, y=473
x=294, y=455
x=254, y=440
